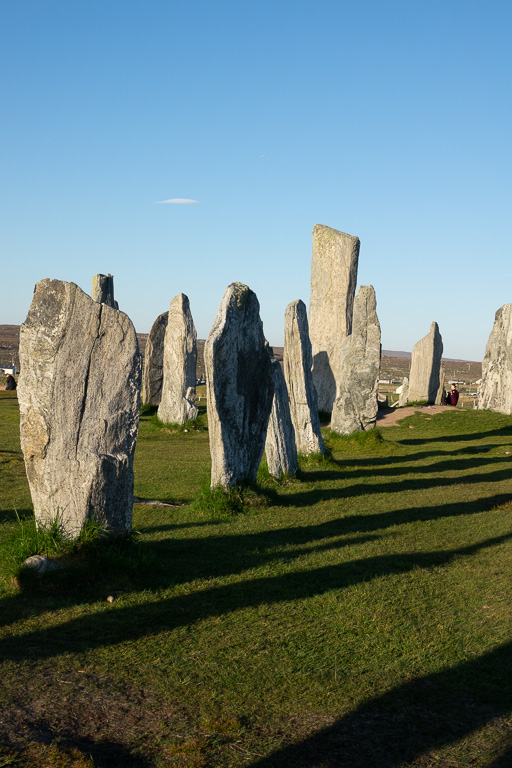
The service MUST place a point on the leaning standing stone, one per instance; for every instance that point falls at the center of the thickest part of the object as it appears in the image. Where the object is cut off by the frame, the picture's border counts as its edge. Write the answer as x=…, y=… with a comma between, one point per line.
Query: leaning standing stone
x=495, y=392
x=240, y=388
x=297, y=372
x=355, y=407
x=280, y=448
x=153, y=372
x=79, y=394
x=333, y=284
x=178, y=402
x=425, y=367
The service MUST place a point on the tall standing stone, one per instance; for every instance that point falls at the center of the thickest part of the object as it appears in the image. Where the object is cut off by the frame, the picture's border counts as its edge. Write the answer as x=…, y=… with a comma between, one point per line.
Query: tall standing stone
x=333, y=284
x=299, y=380
x=355, y=407
x=79, y=395
x=178, y=401
x=240, y=388
x=495, y=391
x=103, y=290
x=280, y=447
x=153, y=372
x=425, y=367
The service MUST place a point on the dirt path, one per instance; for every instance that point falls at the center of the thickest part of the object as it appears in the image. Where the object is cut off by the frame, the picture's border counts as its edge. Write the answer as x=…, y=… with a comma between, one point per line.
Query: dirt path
x=390, y=416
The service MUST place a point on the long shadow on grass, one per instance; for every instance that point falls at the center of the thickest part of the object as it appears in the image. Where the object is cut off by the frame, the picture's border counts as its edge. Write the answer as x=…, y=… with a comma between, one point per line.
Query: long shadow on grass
x=113, y=623
x=466, y=436
x=412, y=720
x=415, y=457
x=173, y=561
x=449, y=464
x=316, y=495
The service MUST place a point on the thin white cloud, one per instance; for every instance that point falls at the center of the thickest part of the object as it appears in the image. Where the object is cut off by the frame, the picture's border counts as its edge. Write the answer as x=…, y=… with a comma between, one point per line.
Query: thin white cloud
x=177, y=201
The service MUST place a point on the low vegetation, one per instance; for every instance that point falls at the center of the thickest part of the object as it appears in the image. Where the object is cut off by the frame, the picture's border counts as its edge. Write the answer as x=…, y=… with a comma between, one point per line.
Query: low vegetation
x=356, y=615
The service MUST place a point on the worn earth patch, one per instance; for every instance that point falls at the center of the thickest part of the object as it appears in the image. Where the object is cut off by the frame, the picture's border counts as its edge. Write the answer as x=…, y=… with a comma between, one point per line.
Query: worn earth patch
x=110, y=720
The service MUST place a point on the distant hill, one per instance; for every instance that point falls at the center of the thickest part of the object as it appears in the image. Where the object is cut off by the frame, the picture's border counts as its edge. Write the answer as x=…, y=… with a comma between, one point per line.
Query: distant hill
x=394, y=364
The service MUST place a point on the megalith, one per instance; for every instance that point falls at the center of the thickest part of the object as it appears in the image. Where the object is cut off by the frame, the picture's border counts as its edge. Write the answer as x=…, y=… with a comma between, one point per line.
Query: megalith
x=441, y=390
x=403, y=392
x=280, y=447
x=355, y=407
x=103, y=290
x=425, y=367
x=495, y=393
x=79, y=396
x=240, y=388
x=334, y=264
x=178, y=401
x=153, y=371
x=299, y=380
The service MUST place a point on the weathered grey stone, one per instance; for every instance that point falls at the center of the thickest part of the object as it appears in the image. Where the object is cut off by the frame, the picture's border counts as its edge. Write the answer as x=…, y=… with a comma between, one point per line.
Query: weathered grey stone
x=79, y=394
x=495, y=391
x=403, y=395
x=153, y=373
x=440, y=391
x=333, y=285
x=299, y=380
x=425, y=367
x=355, y=407
x=41, y=564
x=178, y=401
x=103, y=290
x=240, y=388
x=280, y=448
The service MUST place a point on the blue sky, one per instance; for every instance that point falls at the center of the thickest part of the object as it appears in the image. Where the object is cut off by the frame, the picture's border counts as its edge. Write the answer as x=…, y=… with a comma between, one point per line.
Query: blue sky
x=387, y=120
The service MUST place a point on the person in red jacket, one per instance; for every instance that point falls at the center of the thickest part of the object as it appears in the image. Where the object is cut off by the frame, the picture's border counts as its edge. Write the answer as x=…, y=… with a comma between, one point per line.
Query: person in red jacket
x=453, y=397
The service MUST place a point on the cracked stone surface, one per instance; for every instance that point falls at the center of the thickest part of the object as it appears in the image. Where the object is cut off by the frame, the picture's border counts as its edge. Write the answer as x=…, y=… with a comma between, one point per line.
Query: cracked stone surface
x=495, y=391
x=240, y=388
x=79, y=397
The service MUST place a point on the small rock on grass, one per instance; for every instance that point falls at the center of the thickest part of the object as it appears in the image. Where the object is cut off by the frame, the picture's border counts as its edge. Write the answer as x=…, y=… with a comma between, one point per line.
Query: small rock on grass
x=41, y=564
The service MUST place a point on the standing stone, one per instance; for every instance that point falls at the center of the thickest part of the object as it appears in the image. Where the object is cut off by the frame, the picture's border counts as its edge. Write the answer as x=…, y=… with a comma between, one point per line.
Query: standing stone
x=79, y=393
x=178, y=401
x=333, y=285
x=440, y=391
x=355, y=407
x=280, y=448
x=495, y=392
x=153, y=372
x=240, y=388
x=403, y=394
x=425, y=367
x=299, y=380
x=103, y=290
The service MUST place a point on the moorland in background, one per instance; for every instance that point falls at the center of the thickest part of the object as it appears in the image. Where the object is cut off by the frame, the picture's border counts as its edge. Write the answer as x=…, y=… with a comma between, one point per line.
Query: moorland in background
x=394, y=366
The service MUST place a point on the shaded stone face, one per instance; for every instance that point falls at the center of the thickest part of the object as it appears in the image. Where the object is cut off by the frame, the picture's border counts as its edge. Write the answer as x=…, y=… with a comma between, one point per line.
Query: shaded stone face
x=424, y=376
x=334, y=264
x=495, y=391
x=355, y=407
x=79, y=395
x=299, y=380
x=178, y=401
x=240, y=388
x=153, y=373
x=280, y=448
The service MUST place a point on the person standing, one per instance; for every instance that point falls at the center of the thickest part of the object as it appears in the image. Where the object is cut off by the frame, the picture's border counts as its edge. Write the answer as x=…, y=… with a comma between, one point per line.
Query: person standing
x=10, y=382
x=453, y=397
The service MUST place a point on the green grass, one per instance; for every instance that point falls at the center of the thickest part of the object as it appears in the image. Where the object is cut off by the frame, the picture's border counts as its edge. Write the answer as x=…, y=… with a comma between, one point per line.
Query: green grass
x=358, y=615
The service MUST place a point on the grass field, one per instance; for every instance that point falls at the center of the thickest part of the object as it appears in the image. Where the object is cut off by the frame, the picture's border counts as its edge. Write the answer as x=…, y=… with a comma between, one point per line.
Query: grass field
x=359, y=616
